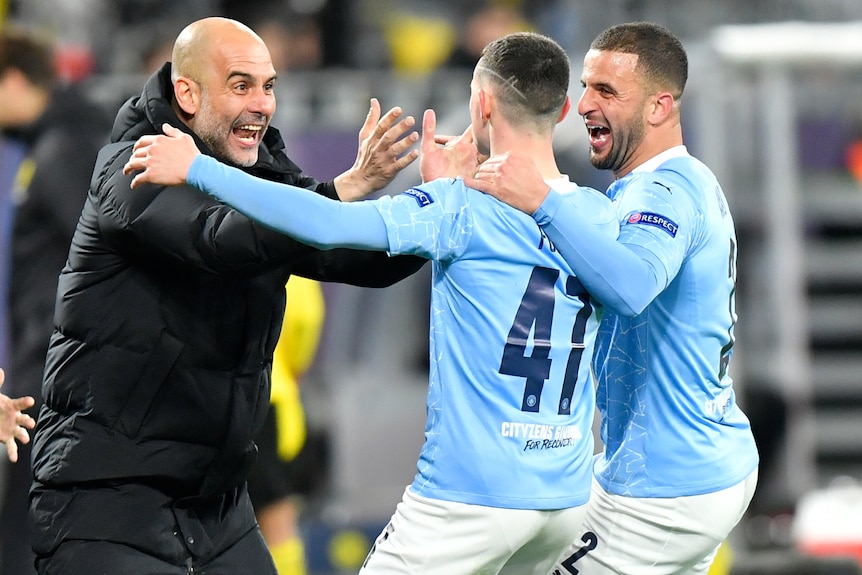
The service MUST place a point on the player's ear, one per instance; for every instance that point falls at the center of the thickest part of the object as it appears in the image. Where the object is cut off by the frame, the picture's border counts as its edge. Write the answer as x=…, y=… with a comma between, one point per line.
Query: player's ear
x=187, y=93
x=486, y=102
x=661, y=108
x=567, y=105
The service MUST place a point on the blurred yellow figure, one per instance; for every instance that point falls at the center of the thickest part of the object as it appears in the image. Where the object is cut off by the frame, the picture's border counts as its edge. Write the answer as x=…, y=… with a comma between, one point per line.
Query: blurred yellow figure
x=297, y=346
x=271, y=485
x=418, y=45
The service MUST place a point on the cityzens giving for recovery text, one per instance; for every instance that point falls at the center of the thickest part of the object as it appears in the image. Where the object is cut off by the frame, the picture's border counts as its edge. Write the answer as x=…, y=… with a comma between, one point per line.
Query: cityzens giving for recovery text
x=537, y=436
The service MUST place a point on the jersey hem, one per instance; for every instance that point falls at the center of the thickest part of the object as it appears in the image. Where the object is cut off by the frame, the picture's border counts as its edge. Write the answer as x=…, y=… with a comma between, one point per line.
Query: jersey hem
x=545, y=504
x=668, y=491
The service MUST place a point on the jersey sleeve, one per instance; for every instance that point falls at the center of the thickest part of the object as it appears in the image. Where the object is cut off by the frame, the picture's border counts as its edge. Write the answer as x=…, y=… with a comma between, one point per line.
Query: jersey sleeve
x=432, y=220
x=658, y=220
x=623, y=277
x=300, y=213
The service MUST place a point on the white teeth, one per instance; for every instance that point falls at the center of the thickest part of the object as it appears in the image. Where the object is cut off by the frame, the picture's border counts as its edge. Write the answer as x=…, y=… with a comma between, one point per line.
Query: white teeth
x=251, y=127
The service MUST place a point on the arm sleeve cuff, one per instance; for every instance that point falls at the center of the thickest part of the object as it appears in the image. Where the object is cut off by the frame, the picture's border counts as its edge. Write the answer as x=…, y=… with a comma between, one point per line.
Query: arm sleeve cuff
x=549, y=208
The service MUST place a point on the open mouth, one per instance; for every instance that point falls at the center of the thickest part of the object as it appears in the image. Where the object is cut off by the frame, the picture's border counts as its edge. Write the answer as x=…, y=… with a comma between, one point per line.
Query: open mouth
x=599, y=135
x=248, y=134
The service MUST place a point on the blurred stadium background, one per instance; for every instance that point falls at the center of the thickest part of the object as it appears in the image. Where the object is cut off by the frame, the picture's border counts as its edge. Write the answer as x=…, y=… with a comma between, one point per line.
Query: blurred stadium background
x=774, y=106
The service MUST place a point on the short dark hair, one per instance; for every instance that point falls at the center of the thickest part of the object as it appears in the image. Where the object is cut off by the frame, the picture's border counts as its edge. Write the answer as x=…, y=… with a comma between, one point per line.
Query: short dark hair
x=30, y=53
x=535, y=71
x=661, y=57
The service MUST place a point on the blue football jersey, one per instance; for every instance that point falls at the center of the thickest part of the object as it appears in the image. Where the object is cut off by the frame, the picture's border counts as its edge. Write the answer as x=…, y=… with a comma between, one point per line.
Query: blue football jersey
x=670, y=422
x=510, y=402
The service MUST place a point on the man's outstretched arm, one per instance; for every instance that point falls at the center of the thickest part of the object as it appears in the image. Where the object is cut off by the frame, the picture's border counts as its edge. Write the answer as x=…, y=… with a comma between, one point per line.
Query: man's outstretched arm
x=173, y=159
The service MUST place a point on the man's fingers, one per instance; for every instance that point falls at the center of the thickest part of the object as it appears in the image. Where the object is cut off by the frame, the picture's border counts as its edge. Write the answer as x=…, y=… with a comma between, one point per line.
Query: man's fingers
x=429, y=125
x=144, y=141
x=401, y=128
x=477, y=184
x=137, y=161
x=12, y=449
x=406, y=160
x=404, y=144
x=389, y=120
x=368, y=125
x=139, y=179
x=22, y=403
x=22, y=435
x=171, y=131
x=27, y=423
x=371, y=120
x=396, y=134
x=133, y=164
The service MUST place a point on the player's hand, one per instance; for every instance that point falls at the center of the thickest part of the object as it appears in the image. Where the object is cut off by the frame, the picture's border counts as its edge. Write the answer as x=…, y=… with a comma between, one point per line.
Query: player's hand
x=383, y=152
x=14, y=423
x=165, y=160
x=446, y=156
x=512, y=179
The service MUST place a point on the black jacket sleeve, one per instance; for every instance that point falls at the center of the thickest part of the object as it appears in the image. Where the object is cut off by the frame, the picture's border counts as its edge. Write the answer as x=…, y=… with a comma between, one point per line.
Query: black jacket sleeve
x=182, y=225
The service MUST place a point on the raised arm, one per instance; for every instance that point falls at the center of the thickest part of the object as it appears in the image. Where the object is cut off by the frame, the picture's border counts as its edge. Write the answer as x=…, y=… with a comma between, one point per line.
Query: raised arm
x=174, y=159
x=624, y=278
x=383, y=152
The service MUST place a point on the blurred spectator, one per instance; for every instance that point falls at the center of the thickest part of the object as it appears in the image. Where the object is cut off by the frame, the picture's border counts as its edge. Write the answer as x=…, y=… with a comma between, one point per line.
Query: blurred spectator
x=300, y=34
x=11, y=154
x=486, y=25
x=142, y=33
x=61, y=132
x=561, y=20
x=81, y=29
x=157, y=51
x=294, y=42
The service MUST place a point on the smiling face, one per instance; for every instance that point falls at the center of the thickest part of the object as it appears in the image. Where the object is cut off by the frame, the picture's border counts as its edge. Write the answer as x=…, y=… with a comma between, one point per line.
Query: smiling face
x=235, y=98
x=614, y=107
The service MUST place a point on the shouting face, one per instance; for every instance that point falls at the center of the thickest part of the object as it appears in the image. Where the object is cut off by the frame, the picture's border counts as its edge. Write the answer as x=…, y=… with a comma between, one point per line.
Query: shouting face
x=614, y=107
x=235, y=97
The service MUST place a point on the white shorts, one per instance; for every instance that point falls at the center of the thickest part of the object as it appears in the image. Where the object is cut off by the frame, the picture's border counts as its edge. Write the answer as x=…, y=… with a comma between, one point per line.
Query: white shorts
x=433, y=537
x=654, y=536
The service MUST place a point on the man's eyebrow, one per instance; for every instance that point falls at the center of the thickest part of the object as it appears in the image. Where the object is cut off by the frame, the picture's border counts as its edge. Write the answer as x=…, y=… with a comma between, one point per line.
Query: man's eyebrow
x=249, y=77
x=599, y=86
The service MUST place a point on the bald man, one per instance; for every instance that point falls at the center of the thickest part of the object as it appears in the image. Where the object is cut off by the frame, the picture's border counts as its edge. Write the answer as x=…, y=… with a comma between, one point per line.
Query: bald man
x=168, y=312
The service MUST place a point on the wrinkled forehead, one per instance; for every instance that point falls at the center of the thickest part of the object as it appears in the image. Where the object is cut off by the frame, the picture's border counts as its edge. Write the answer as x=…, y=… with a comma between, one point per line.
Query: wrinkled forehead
x=241, y=54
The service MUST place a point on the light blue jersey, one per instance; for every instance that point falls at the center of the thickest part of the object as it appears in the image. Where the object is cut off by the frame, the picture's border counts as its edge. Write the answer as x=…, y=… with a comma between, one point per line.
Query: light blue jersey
x=670, y=422
x=510, y=404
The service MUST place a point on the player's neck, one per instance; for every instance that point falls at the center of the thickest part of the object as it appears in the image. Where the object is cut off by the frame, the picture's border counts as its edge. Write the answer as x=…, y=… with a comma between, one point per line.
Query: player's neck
x=540, y=150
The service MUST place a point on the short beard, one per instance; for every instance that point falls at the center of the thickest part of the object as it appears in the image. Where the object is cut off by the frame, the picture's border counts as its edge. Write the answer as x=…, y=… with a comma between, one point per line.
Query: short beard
x=209, y=133
x=622, y=147
x=220, y=151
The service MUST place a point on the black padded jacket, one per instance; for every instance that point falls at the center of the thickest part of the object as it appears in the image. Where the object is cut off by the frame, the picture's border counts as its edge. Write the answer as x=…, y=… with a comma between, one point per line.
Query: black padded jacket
x=157, y=376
